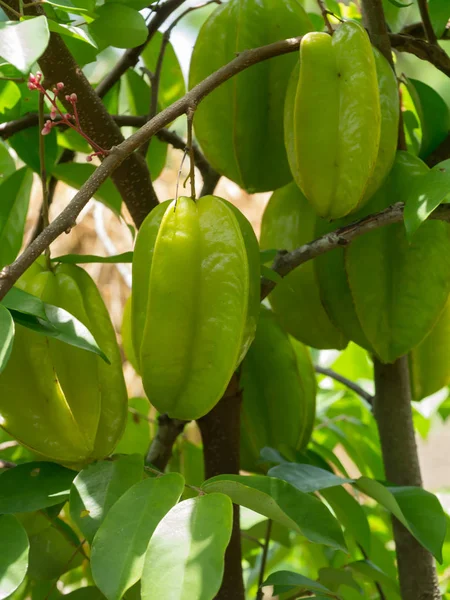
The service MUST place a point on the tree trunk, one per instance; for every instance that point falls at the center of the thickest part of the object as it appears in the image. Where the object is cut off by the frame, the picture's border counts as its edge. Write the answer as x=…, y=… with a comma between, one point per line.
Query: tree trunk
x=417, y=574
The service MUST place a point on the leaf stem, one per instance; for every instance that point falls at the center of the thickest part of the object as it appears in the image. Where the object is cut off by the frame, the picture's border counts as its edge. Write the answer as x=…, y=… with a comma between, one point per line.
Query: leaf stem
x=265, y=552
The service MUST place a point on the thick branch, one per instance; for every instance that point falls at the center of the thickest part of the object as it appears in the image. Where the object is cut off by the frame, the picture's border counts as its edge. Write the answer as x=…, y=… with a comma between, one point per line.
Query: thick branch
x=130, y=57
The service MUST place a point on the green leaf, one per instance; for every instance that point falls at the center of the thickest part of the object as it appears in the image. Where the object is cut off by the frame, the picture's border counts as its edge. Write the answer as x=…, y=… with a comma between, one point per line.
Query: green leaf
x=71, y=31
x=13, y=555
x=281, y=502
x=283, y=581
x=119, y=26
x=336, y=578
x=171, y=84
x=185, y=557
x=133, y=519
x=53, y=552
x=26, y=144
x=136, y=4
x=23, y=302
x=6, y=336
x=76, y=174
x=373, y=573
x=307, y=478
x=350, y=515
x=136, y=437
x=430, y=191
x=70, y=7
x=423, y=515
x=22, y=44
x=33, y=486
x=15, y=196
x=439, y=14
x=97, y=487
x=7, y=164
x=434, y=116
x=86, y=593
x=78, y=259
x=70, y=330
x=267, y=256
x=399, y=289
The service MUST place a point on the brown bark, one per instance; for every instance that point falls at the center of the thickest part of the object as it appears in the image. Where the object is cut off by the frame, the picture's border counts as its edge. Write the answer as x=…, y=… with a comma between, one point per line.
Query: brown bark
x=392, y=408
x=220, y=430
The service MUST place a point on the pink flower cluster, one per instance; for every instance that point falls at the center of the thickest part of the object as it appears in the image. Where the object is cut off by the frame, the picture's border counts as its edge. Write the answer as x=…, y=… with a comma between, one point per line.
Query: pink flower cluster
x=71, y=120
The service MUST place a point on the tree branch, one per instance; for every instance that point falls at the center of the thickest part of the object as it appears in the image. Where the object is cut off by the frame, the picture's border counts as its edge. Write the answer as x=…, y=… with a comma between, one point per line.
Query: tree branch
x=130, y=57
x=432, y=53
x=347, y=382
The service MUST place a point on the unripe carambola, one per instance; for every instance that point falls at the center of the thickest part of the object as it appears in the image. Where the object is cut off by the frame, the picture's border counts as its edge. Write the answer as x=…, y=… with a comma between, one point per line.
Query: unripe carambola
x=288, y=222
x=60, y=401
x=279, y=393
x=195, y=301
x=341, y=119
x=240, y=124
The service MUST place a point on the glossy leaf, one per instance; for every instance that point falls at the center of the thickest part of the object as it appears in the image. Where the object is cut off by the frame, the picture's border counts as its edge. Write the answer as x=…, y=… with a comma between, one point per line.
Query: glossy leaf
x=97, y=487
x=136, y=437
x=15, y=193
x=71, y=31
x=13, y=555
x=53, y=552
x=33, y=486
x=350, y=515
x=76, y=174
x=185, y=557
x=7, y=164
x=71, y=7
x=418, y=510
x=307, y=478
x=79, y=259
x=428, y=362
x=118, y=25
x=281, y=502
x=434, y=116
x=373, y=573
x=6, y=336
x=133, y=518
x=438, y=10
x=278, y=383
x=431, y=190
x=20, y=301
x=22, y=44
x=284, y=581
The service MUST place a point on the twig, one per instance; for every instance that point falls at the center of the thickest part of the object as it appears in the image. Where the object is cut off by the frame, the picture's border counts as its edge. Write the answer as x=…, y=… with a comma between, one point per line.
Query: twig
x=377, y=584
x=10, y=9
x=262, y=567
x=131, y=56
x=190, y=120
x=43, y=176
x=251, y=538
x=425, y=16
x=285, y=262
x=325, y=14
x=6, y=464
x=133, y=411
x=347, y=382
x=65, y=568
